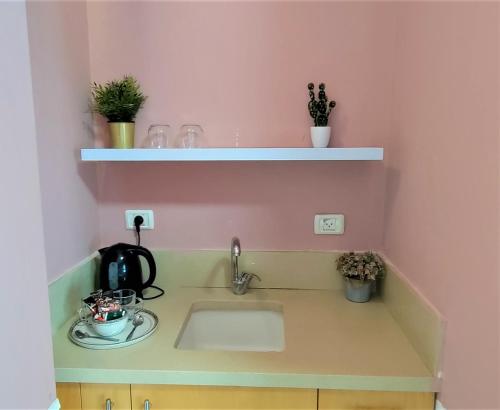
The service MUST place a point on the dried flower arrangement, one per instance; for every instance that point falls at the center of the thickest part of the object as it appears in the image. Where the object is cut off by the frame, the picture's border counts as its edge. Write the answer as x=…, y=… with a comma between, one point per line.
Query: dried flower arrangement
x=361, y=266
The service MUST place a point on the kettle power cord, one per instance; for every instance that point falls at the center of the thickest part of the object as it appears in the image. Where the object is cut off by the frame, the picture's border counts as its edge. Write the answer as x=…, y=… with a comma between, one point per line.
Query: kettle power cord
x=138, y=221
x=162, y=292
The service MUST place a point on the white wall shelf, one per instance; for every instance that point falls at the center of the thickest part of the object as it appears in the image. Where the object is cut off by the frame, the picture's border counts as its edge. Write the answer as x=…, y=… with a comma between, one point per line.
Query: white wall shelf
x=234, y=154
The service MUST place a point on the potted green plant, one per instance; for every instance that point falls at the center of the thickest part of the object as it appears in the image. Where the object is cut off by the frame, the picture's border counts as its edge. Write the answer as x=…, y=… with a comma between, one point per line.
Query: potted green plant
x=119, y=101
x=360, y=271
x=320, y=110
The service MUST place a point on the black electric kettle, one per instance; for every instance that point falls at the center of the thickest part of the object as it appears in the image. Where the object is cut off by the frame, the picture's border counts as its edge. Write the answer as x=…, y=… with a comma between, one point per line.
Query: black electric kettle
x=121, y=268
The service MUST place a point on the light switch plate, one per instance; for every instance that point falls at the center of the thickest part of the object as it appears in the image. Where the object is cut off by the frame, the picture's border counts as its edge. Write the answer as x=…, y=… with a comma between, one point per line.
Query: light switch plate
x=329, y=224
x=147, y=215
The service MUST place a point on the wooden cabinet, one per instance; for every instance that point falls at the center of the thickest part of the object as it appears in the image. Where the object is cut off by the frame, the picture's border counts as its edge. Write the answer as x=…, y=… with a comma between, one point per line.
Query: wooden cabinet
x=98, y=396
x=69, y=396
x=374, y=400
x=74, y=396
x=164, y=397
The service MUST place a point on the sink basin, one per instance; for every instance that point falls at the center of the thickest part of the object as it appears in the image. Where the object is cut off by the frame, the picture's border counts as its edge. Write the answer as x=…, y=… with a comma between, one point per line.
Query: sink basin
x=236, y=326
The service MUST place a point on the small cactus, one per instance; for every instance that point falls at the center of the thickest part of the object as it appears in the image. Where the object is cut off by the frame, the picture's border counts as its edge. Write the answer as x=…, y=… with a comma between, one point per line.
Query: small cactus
x=319, y=109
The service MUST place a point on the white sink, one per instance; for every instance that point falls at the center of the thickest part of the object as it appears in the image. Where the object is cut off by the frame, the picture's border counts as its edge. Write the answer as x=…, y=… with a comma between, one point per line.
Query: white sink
x=237, y=326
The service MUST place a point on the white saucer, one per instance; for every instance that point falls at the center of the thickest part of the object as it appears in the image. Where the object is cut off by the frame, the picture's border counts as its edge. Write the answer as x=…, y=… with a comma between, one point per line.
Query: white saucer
x=141, y=332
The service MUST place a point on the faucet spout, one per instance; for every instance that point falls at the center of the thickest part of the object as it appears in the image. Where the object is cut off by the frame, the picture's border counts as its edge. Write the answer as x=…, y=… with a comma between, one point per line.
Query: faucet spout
x=235, y=253
x=240, y=281
x=235, y=247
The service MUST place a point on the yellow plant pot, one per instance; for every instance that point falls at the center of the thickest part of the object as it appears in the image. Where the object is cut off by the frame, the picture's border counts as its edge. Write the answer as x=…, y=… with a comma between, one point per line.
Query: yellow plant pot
x=122, y=134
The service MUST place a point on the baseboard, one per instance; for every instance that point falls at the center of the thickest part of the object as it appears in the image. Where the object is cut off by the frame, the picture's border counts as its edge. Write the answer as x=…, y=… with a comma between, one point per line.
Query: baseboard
x=439, y=406
x=66, y=292
x=55, y=405
x=423, y=325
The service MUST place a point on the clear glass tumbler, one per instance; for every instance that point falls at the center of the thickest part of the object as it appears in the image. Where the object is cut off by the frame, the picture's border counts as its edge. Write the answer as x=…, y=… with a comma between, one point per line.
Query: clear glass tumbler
x=127, y=300
x=191, y=136
x=158, y=136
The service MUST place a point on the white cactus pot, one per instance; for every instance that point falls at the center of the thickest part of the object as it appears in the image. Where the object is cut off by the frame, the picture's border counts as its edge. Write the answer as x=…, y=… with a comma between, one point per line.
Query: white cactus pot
x=320, y=136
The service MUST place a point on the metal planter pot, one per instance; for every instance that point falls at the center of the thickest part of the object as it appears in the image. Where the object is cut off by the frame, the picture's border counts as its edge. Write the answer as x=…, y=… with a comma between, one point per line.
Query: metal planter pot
x=122, y=134
x=358, y=291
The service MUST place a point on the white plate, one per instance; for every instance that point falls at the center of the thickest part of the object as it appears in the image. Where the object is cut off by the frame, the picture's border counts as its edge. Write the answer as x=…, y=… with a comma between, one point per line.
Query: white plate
x=142, y=332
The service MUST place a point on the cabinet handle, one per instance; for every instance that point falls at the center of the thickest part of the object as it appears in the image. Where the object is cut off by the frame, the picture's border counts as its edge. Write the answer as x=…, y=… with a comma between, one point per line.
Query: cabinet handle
x=147, y=405
x=108, y=404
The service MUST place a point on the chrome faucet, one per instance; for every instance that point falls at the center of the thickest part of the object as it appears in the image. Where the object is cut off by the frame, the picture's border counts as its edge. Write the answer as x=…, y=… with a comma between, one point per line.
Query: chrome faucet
x=240, y=280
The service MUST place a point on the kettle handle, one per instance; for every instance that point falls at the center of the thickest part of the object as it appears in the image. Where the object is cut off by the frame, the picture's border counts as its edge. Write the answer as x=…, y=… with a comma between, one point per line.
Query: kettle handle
x=139, y=250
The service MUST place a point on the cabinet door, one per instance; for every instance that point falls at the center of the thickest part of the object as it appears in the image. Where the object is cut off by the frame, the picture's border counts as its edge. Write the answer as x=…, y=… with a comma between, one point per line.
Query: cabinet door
x=68, y=395
x=371, y=400
x=164, y=397
x=105, y=396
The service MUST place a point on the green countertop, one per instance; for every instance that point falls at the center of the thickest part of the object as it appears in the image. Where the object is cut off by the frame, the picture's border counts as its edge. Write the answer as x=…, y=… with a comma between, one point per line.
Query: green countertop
x=330, y=343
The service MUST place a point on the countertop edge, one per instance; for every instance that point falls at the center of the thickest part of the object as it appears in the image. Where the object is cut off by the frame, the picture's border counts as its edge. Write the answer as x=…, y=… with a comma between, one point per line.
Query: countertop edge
x=311, y=381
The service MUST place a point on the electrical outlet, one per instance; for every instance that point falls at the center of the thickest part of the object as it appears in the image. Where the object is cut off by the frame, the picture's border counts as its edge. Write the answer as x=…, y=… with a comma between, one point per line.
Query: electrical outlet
x=147, y=215
x=329, y=224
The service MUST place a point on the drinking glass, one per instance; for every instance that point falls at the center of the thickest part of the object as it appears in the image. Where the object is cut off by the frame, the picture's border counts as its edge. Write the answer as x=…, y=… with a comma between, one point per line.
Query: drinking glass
x=191, y=136
x=158, y=136
x=127, y=300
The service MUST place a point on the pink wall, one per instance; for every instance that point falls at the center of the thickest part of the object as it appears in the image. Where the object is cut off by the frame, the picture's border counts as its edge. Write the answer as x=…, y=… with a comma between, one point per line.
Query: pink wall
x=416, y=78
x=25, y=346
x=442, y=183
x=58, y=37
x=243, y=67
x=269, y=206
x=498, y=193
